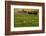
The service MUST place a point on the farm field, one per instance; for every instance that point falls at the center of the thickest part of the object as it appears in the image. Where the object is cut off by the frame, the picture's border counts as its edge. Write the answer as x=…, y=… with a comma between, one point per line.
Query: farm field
x=26, y=20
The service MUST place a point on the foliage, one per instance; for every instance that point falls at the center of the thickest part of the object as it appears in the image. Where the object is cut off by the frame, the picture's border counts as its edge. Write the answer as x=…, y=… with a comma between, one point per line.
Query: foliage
x=25, y=20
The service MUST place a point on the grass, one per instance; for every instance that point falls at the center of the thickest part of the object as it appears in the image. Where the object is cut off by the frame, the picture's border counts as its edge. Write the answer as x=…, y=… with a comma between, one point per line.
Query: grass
x=25, y=20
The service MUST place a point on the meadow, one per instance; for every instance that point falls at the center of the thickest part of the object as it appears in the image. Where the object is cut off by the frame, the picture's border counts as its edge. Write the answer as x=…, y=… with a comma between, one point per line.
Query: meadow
x=25, y=20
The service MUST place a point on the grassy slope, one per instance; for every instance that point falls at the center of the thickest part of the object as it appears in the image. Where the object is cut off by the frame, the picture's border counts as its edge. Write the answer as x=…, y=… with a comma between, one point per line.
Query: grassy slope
x=25, y=20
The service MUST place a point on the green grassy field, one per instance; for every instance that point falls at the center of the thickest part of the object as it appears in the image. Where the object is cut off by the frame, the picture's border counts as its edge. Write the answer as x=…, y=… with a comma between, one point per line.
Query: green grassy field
x=25, y=20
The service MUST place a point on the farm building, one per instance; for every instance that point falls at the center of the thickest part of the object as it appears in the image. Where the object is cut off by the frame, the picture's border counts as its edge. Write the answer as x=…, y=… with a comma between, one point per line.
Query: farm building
x=30, y=11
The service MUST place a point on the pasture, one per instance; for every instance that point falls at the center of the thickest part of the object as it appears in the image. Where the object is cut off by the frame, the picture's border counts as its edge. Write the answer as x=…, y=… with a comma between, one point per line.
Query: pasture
x=26, y=20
